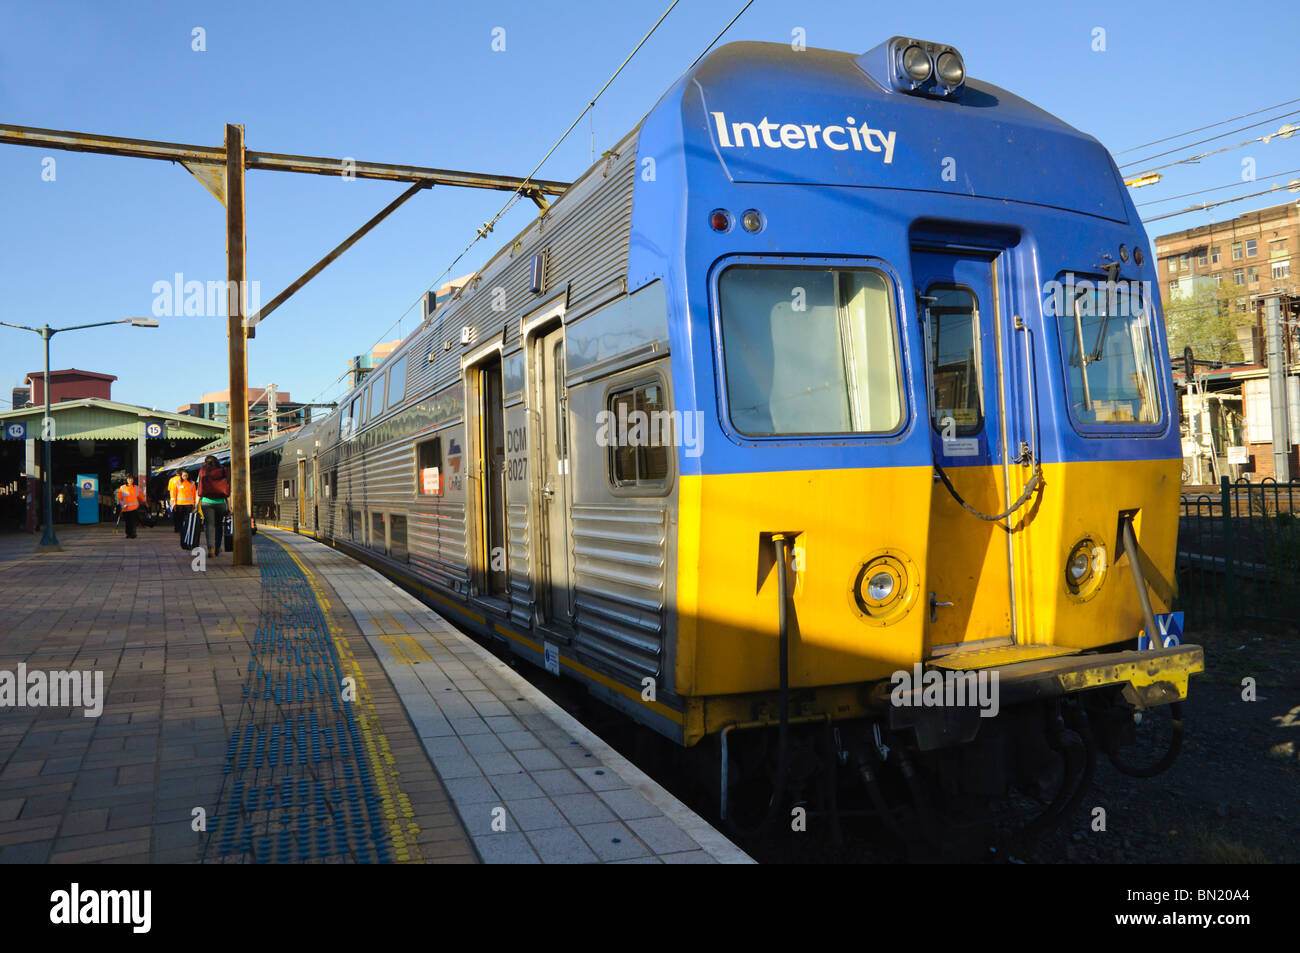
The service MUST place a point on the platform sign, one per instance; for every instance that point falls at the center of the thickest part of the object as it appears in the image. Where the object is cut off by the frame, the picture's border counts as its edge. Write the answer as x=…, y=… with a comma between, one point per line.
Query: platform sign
x=153, y=429
x=552, y=658
x=1239, y=455
x=87, y=498
x=16, y=431
x=1170, y=625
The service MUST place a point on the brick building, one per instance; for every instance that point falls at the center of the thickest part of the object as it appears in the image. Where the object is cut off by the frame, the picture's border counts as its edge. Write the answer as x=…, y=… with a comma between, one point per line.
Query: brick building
x=1260, y=251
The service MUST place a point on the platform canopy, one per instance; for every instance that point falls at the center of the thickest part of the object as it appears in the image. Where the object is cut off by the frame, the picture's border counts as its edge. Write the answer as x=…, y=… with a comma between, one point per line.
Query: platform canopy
x=92, y=418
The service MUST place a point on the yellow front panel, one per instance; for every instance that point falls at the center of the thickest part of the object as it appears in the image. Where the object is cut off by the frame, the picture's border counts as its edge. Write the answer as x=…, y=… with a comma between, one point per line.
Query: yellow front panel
x=726, y=587
x=1084, y=500
x=727, y=626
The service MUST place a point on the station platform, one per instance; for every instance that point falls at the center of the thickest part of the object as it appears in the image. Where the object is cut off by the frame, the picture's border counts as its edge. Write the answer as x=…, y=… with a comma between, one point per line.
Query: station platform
x=222, y=737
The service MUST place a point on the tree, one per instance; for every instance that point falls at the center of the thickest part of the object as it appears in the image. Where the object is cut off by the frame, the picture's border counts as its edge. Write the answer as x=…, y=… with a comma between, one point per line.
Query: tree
x=1207, y=319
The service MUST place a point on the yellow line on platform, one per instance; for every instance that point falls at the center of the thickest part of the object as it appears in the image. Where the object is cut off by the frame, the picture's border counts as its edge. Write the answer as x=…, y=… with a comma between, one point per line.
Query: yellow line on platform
x=397, y=806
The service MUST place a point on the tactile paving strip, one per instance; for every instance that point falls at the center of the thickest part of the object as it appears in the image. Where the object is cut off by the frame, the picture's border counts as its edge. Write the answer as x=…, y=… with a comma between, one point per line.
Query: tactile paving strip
x=298, y=786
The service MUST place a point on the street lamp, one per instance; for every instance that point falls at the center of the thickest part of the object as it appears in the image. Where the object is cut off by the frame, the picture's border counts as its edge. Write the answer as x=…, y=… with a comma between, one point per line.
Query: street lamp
x=49, y=542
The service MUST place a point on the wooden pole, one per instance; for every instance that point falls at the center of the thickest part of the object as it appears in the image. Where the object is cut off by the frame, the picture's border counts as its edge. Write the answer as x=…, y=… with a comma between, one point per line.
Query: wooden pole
x=240, y=486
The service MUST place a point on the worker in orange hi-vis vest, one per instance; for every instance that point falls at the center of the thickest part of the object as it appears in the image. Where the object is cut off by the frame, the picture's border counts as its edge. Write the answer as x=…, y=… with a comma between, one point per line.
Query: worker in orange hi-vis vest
x=128, y=500
x=184, y=495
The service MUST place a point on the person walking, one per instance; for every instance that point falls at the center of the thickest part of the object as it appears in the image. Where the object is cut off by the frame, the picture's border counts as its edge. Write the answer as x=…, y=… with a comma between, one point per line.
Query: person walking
x=171, y=496
x=128, y=500
x=213, y=489
x=183, y=496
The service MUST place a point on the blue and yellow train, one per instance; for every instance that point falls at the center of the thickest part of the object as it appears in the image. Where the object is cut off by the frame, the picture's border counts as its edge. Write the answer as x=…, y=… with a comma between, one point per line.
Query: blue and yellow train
x=836, y=383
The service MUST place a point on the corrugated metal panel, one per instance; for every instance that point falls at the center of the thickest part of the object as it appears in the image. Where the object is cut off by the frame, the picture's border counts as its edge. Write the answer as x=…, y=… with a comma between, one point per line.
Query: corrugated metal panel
x=519, y=563
x=619, y=580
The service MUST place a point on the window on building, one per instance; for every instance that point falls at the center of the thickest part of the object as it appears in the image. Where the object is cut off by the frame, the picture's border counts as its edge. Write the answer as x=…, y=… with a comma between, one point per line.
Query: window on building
x=1201, y=257
x=1214, y=255
x=1250, y=248
x=1171, y=265
x=1238, y=276
x=1236, y=251
x=1173, y=288
x=633, y=460
x=1241, y=305
x=1182, y=262
x=1218, y=281
x=397, y=382
x=1252, y=275
x=809, y=350
x=428, y=467
x=1282, y=269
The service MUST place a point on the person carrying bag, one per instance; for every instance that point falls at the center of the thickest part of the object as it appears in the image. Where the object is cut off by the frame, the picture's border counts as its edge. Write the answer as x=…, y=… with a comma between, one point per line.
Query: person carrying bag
x=214, y=490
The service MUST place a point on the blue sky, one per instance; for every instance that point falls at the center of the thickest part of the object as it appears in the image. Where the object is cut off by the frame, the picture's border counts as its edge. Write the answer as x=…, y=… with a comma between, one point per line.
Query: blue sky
x=419, y=83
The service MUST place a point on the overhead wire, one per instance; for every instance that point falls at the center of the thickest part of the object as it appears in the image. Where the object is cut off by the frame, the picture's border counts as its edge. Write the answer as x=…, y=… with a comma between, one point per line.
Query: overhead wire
x=1217, y=188
x=484, y=230
x=1221, y=122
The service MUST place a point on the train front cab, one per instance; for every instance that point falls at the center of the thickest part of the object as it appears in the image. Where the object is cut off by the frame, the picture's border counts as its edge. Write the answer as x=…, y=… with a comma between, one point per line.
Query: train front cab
x=964, y=463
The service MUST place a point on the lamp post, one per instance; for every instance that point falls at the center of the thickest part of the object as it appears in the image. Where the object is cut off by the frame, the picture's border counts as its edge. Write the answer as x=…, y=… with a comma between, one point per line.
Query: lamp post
x=49, y=542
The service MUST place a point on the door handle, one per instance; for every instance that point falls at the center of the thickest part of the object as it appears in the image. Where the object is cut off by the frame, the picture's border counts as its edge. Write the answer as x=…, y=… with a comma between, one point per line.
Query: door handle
x=935, y=605
x=548, y=492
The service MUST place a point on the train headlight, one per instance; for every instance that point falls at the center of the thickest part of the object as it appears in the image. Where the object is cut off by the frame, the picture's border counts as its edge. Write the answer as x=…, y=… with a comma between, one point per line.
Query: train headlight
x=916, y=63
x=880, y=587
x=752, y=220
x=950, y=68
x=884, y=587
x=1085, y=569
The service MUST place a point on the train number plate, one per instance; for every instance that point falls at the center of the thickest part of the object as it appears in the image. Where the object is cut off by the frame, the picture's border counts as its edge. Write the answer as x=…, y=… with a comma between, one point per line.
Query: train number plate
x=552, y=658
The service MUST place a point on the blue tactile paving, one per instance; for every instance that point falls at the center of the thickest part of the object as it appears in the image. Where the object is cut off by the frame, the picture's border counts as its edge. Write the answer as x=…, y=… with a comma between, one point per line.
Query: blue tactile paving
x=298, y=785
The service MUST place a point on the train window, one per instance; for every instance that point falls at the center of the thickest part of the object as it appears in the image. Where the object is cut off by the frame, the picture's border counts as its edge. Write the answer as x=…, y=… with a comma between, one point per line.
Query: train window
x=378, y=539
x=355, y=527
x=357, y=413
x=953, y=340
x=1106, y=336
x=376, y=397
x=397, y=382
x=809, y=350
x=397, y=537
x=638, y=452
x=286, y=489
x=428, y=468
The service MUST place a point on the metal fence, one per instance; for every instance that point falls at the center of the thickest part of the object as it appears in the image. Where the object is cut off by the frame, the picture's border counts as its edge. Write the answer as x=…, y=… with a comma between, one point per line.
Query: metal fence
x=1239, y=553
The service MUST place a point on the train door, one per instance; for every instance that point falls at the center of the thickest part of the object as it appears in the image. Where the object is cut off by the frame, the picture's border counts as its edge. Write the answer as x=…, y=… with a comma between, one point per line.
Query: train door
x=491, y=454
x=553, y=477
x=969, y=573
x=302, y=494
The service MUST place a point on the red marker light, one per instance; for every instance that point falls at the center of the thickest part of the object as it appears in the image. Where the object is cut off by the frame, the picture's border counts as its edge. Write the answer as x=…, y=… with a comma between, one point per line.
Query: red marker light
x=720, y=220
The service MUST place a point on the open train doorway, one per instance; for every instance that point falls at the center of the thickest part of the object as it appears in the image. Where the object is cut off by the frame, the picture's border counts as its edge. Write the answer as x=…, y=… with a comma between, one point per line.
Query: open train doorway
x=492, y=575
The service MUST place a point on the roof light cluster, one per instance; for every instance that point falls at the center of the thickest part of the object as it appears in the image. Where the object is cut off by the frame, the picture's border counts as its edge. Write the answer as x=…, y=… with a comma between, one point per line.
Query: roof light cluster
x=916, y=66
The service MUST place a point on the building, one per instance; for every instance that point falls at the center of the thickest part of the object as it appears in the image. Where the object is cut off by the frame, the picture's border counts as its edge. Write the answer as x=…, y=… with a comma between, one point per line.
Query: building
x=216, y=407
x=71, y=384
x=21, y=397
x=1227, y=414
x=359, y=367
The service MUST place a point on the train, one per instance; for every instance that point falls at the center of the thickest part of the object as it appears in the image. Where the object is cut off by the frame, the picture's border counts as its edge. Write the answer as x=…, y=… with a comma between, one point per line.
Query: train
x=823, y=427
